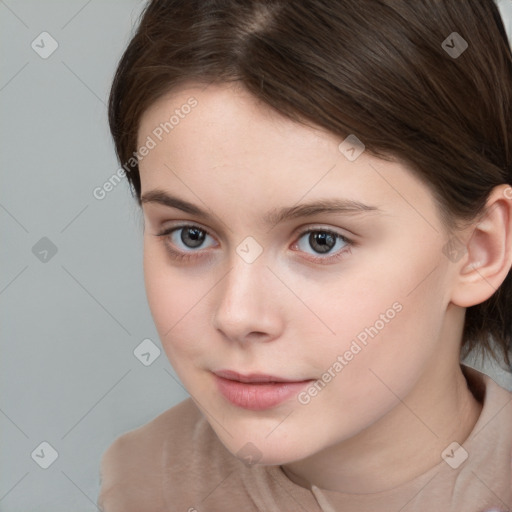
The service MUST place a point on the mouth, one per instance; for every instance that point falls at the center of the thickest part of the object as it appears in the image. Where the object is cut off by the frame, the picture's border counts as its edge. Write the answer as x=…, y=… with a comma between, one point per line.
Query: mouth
x=257, y=391
x=254, y=378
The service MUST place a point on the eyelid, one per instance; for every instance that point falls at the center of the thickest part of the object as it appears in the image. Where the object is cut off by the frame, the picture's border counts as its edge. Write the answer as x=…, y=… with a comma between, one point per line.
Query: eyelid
x=300, y=230
x=304, y=228
x=182, y=224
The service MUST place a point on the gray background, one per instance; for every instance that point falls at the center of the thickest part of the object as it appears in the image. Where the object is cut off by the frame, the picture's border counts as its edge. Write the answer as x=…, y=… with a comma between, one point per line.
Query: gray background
x=70, y=321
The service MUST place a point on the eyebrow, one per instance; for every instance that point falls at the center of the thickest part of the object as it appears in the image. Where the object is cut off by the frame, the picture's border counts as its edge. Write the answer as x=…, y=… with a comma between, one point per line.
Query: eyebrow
x=273, y=217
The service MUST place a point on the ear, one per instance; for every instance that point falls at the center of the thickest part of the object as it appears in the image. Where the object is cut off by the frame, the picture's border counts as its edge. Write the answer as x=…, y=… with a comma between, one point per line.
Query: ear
x=487, y=249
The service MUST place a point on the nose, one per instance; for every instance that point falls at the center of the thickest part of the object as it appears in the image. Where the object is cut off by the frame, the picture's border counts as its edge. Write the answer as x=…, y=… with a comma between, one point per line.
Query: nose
x=246, y=303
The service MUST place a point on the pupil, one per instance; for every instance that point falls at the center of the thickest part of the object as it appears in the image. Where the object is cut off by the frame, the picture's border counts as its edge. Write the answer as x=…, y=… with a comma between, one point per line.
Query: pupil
x=325, y=241
x=192, y=237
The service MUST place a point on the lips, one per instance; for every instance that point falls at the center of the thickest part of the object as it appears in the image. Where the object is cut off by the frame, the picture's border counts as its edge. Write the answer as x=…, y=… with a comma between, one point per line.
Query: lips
x=257, y=391
x=253, y=378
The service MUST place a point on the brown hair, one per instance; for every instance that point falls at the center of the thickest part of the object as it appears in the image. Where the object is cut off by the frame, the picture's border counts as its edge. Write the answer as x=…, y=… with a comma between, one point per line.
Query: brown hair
x=375, y=68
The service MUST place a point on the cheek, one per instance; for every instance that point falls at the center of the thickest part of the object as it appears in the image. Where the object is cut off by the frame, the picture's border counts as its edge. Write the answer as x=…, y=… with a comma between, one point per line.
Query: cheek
x=359, y=308
x=388, y=325
x=161, y=289
x=178, y=298
x=362, y=385
x=170, y=293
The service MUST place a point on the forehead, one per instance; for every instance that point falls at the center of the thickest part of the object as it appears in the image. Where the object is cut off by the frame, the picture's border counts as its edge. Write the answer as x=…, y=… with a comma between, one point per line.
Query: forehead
x=229, y=144
x=227, y=109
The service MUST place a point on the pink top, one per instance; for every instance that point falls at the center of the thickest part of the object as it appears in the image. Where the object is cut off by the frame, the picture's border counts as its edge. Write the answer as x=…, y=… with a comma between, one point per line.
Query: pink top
x=177, y=463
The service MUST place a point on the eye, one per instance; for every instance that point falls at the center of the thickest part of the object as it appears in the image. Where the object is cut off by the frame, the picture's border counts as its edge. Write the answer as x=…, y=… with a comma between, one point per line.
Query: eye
x=323, y=241
x=191, y=237
x=186, y=238
x=186, y=242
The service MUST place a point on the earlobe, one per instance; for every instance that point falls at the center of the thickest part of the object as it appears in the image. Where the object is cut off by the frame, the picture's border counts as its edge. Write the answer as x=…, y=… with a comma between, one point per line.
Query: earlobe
x=488, y=255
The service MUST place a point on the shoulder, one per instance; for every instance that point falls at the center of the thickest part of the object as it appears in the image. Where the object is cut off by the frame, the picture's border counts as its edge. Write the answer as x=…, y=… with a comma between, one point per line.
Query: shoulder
x=143, y=443
x=486, y=389
x=132, y=467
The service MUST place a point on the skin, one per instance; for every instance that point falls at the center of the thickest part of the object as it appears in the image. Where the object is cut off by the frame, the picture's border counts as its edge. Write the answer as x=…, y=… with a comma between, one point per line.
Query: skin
x=287, y=315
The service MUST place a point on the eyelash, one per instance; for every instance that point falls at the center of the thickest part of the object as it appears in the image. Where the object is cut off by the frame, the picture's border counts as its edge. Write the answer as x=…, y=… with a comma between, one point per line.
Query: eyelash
x=180, y=256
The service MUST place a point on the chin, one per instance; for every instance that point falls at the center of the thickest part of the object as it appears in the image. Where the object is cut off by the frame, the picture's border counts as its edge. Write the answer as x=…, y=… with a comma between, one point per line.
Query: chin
x=265, y=451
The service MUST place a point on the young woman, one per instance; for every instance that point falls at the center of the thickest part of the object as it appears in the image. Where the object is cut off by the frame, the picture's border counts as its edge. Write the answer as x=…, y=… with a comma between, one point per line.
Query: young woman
x=327, y=208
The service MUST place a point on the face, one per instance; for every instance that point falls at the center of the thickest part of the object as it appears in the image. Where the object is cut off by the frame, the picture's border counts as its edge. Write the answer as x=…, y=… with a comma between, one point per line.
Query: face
x=342, y=304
